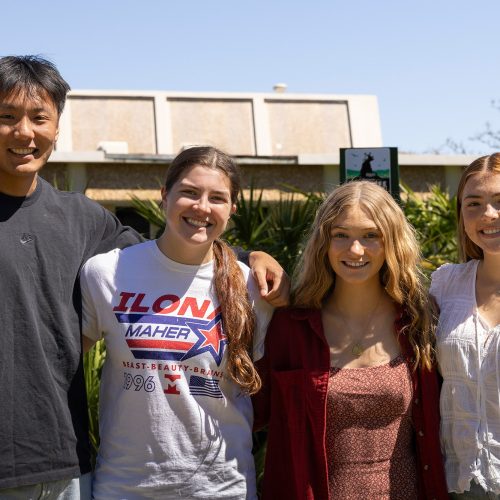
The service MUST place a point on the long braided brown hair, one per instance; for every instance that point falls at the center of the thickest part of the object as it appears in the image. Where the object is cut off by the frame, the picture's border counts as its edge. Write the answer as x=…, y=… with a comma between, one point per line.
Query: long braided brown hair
x=238, y=319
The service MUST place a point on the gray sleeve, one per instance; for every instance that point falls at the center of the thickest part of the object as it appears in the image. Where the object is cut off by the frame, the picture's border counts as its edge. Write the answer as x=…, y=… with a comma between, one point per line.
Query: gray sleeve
x=112, y=234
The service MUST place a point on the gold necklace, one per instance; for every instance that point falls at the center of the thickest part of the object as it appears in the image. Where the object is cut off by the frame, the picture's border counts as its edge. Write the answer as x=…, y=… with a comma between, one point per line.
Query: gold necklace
x=357, y=348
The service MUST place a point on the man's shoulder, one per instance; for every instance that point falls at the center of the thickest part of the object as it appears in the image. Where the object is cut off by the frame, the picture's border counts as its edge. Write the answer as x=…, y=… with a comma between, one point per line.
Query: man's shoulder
x=68, y=198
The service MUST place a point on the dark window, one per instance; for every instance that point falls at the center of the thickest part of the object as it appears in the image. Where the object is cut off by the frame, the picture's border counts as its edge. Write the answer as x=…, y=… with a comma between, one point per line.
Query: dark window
x=129, y=217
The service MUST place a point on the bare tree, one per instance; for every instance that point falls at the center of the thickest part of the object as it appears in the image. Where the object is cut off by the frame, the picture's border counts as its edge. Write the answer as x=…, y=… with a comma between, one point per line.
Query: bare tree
x=489, y=136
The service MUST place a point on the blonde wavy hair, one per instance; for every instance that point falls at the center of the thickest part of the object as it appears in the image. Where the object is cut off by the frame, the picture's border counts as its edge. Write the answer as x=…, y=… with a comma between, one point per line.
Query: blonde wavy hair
x=467, y=249
x=314, y=279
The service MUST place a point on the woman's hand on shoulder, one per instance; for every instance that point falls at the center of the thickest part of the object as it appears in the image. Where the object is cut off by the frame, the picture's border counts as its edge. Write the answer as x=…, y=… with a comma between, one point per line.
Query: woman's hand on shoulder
x=273, y=282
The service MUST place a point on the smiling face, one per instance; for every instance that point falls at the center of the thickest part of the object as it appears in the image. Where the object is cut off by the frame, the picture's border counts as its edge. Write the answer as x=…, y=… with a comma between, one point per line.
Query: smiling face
x=356, y=252
x=197, y=208
x=28, y=131
x=480, y=211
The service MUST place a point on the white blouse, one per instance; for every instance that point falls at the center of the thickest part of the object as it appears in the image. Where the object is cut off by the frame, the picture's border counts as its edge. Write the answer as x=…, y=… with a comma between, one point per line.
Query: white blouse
x=468, y=353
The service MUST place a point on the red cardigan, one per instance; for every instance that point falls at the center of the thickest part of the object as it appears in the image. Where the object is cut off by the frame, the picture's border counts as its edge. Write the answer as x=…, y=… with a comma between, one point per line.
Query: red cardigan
x=294, y=372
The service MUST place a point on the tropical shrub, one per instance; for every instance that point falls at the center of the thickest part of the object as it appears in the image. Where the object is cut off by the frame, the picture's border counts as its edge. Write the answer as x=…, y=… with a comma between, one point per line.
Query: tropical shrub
x=151, y=211
x=434, y=218
x=92, y=364
x=278, y=229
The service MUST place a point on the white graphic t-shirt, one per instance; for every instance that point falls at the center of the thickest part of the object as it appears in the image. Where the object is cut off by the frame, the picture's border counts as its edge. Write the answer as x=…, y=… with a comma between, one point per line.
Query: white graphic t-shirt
x=172, y=423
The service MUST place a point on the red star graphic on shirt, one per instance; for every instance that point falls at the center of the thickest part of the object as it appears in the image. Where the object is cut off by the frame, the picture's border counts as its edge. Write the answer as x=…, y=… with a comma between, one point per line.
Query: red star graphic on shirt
x=213, y=337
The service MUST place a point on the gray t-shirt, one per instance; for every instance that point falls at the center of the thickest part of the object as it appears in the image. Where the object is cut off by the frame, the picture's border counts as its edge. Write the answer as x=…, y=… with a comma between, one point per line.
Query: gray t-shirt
x=44, y=240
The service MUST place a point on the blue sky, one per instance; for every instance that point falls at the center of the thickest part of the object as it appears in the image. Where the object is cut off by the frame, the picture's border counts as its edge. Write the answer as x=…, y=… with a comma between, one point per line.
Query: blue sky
x=434, y=64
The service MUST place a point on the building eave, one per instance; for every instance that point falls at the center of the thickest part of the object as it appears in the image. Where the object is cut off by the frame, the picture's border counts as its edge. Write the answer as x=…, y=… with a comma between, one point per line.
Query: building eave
x=405, y=159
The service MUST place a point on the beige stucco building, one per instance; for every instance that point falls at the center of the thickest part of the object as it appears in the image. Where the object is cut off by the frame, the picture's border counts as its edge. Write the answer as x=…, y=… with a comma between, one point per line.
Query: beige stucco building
x=116, y=143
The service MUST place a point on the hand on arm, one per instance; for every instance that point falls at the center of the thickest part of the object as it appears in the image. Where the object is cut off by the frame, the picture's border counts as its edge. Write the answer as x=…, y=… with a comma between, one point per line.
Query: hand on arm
x=273, y=282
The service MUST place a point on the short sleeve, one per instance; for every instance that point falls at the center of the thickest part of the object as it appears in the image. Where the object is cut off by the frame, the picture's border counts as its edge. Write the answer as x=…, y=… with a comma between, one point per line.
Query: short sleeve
x=90, y=320
x=439, y=279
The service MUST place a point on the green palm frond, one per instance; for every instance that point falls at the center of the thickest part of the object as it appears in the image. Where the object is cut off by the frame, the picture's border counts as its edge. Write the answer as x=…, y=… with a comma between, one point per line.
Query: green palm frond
x=249, y=223
x=434, y=219
x=151, y=211
x=92, y=365
x=289, y=221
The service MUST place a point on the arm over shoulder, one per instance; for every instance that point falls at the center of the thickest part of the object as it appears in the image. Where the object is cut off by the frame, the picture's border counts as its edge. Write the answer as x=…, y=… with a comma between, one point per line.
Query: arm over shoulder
x=113, y=234
x=263, y=314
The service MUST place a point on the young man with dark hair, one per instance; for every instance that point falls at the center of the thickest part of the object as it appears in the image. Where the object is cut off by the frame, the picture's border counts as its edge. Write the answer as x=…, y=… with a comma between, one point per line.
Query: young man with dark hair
x=45, y=237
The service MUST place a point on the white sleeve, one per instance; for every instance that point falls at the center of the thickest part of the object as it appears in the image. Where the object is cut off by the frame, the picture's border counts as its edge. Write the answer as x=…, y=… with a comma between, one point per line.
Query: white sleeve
x=439, y=280
x=90, y=320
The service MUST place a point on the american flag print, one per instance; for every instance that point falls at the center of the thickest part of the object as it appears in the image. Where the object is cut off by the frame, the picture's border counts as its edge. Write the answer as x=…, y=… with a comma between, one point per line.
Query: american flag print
x=201, y=386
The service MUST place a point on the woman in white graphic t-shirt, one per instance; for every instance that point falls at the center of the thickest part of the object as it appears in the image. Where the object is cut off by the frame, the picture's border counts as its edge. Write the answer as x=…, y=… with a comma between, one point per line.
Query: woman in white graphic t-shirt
x=468, y=338
x=183, y=323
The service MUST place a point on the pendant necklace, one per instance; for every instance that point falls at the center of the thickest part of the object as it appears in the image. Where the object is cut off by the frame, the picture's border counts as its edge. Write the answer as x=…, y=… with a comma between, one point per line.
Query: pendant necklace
x=357, y=348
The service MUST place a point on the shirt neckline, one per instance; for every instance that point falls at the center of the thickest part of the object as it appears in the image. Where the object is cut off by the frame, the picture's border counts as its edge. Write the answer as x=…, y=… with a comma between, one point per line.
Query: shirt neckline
x=480, y=319
x=391, y=362
x=16, y=202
